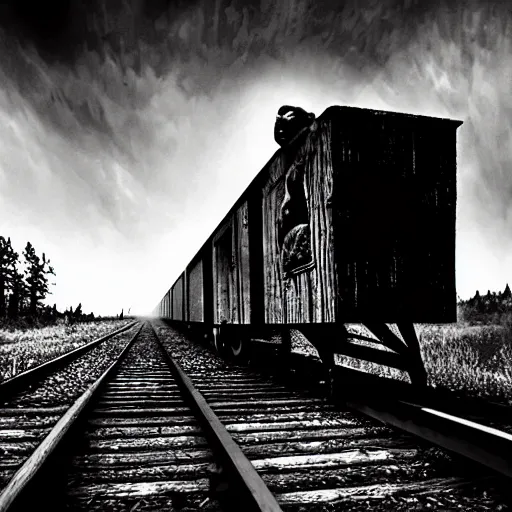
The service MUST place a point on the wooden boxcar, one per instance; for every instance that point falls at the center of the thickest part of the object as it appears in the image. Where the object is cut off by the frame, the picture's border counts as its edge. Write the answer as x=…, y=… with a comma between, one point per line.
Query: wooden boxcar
x=353, y=221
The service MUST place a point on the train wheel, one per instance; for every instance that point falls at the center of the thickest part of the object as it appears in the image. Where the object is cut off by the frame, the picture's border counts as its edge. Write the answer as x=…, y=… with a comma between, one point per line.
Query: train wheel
x=237, y=347
x=217, y=342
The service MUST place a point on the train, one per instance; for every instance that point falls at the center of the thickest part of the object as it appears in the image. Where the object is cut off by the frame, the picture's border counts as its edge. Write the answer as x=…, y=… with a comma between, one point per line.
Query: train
x=352, y=220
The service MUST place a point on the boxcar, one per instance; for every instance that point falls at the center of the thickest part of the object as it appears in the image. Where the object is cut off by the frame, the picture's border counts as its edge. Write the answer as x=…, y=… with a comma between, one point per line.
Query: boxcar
x=353, y=221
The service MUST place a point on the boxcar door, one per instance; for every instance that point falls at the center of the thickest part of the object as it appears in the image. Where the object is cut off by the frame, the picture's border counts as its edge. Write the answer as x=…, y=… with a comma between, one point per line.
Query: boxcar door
x=225, y=278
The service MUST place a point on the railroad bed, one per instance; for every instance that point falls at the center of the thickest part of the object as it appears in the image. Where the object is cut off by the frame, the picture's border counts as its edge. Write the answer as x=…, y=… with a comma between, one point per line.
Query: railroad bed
x=32, y=403
x=314, y=456
x=139, y=445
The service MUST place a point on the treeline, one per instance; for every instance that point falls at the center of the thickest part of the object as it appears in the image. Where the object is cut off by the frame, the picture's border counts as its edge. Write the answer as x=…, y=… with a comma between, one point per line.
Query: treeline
x=489, y=308
x=25, y=284
x=70, y=316
x=24, y=281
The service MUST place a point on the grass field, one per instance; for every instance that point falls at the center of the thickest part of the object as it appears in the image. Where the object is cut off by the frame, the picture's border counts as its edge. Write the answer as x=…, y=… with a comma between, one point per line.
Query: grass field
x=21, y=349
x=476, y=359
x=461, y=357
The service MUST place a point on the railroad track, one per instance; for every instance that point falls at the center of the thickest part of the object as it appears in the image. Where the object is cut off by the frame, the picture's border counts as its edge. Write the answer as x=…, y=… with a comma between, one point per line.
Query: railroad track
x=110, y=441
x=32, y=402
x=317, y=455
x=475, y=428
x=142, y=438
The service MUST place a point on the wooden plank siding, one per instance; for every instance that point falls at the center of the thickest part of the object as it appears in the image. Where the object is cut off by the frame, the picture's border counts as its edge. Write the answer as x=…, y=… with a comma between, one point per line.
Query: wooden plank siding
x=378, y=243
x=243, y=264
x=395, y=204
x=208, y=288
x=256, y=267
x=273, y=195
x=222, y=276
x=307, y=294
x=177, y=299
x=231, y=270
x=167, y=305
x=195, y=295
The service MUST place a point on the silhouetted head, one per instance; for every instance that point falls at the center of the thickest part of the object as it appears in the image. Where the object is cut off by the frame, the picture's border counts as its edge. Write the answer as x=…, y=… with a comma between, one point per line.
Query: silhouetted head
x=290, y=121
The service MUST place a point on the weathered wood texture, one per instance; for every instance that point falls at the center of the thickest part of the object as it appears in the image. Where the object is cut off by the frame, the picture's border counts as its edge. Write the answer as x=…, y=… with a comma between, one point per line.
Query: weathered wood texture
x=231, y=276
x=208, y=291
x=394, y=210
x=359, y=221
x=242, y=264
x=167, y=305
x=177, y=299
x=358, y=225
x=348, y=495
x=223, y=276
x=195, y=293
x=306, y=293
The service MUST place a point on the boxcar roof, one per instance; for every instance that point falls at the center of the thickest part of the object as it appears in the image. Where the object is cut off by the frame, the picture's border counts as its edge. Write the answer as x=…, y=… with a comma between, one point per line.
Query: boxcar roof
x=338, y=111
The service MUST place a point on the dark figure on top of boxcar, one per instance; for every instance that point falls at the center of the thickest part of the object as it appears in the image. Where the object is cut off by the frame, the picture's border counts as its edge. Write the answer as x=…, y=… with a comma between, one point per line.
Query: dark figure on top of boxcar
x=294, y=209
x=290, y=121
x=293, y=223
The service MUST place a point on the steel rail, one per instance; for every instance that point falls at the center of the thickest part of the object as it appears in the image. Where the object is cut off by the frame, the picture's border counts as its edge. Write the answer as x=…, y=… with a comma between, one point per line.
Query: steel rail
x=445, y=400
x=248, y=482
x=9, y=386
x=439, y=417
x=485, y=445
x=18, y=487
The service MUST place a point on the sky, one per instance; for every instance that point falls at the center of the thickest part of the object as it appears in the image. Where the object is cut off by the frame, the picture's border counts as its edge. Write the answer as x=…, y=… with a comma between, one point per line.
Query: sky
x=128, y=130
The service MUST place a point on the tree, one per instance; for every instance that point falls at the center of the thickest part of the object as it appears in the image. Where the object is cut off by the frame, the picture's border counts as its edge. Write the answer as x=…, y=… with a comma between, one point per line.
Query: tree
x=78, y=312
x=68, y=316
x=507, y=294
x=36, y=278
x=8, y=272
x=18, y=299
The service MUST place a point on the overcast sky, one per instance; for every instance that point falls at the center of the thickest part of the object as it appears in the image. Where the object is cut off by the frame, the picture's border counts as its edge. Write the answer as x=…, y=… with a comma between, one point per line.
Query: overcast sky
x=119, y=157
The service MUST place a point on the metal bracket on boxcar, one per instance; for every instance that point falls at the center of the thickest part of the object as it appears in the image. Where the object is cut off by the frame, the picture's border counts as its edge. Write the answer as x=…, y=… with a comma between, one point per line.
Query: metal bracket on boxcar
x=231, y=339
x=327, y=340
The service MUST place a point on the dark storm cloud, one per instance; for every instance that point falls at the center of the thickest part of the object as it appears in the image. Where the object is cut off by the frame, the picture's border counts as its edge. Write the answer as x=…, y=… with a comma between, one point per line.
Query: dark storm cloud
x=202, y=42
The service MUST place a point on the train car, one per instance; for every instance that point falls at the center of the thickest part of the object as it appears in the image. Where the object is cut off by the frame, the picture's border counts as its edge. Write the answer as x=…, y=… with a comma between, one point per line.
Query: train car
x=351, y=221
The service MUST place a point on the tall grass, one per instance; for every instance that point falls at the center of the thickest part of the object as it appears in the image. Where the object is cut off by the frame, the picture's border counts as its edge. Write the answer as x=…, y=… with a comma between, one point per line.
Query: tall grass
x=473, y=359
x=23, y=348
